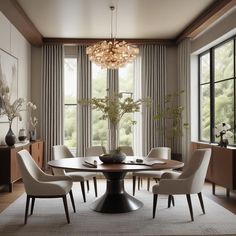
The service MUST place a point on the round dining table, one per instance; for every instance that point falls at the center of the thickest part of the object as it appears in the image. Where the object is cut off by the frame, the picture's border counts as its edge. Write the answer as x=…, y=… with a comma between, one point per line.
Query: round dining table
x=115, y=199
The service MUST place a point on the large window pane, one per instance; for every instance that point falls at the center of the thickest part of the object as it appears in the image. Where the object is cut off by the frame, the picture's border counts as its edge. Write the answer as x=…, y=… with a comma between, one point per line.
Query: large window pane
x=70, y=80
x=99, y=86
x=205, y=112
x=205, y=68
x=70, y=123
x=70, y=102
x=224, y=61
x=126, y=75
x=224, y=103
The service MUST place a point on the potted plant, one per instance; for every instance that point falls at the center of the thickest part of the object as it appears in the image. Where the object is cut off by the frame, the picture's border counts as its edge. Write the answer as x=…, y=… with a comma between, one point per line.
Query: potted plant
x=172, y=115
x=223, y=132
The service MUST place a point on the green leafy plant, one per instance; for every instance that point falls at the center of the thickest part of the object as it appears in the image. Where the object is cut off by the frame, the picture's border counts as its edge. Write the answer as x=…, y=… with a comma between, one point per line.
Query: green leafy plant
x=172, y=114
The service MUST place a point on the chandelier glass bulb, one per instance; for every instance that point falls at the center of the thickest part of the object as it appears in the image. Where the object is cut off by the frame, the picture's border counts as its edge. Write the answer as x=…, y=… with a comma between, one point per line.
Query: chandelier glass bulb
x=112, y=54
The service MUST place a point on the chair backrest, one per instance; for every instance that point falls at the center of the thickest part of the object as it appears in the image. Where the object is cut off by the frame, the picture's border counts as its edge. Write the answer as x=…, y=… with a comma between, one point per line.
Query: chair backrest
x=29, y=170
x=128, y=150
x=95, y=151
x=197, y=169
x=59, y=152
x=160, y=152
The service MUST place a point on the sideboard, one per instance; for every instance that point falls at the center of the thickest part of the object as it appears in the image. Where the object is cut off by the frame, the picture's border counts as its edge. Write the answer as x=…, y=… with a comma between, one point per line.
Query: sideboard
x=9, y=171
x=222, y=166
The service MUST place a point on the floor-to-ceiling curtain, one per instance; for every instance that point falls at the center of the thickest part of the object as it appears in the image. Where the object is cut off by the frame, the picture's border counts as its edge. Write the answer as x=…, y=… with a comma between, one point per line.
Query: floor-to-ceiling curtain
x=52, y=98
x=153, y=75
x=184, y=50
x=84, y=92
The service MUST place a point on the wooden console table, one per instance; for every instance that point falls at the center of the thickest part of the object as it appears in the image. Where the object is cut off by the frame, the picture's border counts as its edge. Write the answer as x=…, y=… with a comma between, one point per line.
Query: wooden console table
x=222, y=166
x=9, y=171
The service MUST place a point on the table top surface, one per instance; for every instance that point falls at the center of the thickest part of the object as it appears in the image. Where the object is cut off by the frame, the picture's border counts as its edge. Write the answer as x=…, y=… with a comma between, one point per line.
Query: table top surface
x=78, y=164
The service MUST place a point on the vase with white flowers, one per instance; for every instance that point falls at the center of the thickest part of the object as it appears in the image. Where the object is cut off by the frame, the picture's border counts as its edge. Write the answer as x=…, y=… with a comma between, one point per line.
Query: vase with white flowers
x=223, y=132
x=33, y=121
x=11, y=110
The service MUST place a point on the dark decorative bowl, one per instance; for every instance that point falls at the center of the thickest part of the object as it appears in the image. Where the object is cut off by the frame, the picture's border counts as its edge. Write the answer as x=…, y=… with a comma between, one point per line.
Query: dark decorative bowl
x=112, y=158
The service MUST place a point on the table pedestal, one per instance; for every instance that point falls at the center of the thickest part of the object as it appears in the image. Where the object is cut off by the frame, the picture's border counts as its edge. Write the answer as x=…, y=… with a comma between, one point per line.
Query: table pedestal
x=116, y=199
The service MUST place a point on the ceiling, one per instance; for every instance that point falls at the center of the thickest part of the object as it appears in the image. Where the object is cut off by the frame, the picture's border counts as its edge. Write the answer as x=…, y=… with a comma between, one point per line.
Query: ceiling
x=146, y=19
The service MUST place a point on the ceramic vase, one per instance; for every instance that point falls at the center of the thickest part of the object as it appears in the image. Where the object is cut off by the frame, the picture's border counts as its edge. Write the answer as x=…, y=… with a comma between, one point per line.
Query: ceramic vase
x=10, y=138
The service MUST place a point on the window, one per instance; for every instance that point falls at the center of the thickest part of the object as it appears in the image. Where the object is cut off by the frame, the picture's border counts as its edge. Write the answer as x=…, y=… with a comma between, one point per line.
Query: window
x=217, y=90
x=70, y=102
x=99, y=86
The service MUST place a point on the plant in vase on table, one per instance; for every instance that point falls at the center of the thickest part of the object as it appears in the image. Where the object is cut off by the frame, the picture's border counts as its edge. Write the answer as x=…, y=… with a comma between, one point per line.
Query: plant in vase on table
x=113, y=108
x=33, y=121
x=223, y=132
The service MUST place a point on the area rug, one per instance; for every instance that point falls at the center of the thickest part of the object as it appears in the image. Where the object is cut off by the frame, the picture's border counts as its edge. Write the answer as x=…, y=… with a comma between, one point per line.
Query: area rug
x=49, y=218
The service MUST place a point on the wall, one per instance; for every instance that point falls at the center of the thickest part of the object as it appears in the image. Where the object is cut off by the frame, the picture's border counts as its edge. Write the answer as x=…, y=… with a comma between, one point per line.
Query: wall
x=12, y=42
x=224, y=28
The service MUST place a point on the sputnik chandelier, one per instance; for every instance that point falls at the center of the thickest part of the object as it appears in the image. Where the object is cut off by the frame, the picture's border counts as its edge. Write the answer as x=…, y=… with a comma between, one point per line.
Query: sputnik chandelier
x=112, y=54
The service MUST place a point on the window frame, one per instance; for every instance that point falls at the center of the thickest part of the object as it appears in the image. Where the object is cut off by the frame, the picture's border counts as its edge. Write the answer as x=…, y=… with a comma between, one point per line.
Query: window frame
x=212, y=84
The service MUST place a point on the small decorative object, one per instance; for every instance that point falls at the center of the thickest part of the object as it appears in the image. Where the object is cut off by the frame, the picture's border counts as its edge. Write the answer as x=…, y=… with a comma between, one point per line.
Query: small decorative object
x=223, y=132
x=22, y=135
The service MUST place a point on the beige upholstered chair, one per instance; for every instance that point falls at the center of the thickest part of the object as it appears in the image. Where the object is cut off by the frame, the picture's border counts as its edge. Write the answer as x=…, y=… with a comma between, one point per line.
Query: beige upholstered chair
x=40, y=185
x=128, y=150
x=158, y=152
x=61, y=151
x=190, y=181
x=95, y=151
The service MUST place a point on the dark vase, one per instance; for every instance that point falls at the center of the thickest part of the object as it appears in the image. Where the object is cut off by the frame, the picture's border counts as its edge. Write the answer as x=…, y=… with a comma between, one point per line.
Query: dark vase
x=223, y=142
x=10, y=138
x=33, y=135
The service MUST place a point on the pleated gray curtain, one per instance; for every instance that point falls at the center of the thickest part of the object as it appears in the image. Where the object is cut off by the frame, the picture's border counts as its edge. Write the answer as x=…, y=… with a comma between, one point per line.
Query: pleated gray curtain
x=184, y=51
x=112, y=87
x=153, y=74
x=84, y=69
x=52, y=98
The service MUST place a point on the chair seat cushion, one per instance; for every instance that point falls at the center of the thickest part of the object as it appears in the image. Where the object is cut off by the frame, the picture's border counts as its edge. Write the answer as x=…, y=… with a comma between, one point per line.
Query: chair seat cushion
x=81, y=176
x=52, y=188
x=150, y=174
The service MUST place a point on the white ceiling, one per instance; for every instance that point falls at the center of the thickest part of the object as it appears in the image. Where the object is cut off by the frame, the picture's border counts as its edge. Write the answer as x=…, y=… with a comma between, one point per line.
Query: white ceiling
x=162, y=19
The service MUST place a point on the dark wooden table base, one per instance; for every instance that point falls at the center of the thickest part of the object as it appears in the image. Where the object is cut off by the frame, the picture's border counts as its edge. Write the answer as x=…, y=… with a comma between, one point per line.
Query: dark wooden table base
x=116, y=199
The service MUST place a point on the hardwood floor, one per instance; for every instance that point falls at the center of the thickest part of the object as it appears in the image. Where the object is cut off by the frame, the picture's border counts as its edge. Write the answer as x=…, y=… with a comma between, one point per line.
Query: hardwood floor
x=229, y=203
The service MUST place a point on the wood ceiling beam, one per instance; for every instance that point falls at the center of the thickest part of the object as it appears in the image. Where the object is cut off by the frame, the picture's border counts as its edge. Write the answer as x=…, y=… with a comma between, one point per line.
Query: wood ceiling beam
x=88, y=41
x=16, y=15
x=214, y=12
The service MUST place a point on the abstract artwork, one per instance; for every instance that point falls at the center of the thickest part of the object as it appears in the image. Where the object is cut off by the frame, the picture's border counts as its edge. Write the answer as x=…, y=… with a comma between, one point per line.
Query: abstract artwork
x=8, y=74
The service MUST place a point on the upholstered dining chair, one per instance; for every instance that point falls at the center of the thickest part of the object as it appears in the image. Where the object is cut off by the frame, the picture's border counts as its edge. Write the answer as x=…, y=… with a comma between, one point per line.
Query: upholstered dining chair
x=157, y=152
x=95, y=151
x=128, y=150
x=40, y=185
x=62, y=151
x=190, y=181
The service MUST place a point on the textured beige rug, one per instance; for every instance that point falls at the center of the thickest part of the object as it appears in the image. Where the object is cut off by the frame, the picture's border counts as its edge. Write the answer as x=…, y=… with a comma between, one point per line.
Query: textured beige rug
x=49, y=218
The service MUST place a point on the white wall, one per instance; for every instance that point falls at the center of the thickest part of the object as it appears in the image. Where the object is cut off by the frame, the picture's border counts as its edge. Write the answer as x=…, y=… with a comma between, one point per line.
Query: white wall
x=15, y=44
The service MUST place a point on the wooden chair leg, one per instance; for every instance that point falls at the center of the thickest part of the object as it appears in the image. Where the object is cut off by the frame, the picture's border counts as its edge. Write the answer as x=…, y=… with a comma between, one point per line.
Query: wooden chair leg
x=201, y=202
x=169, y=201
x=213, y=188
x=66, y=209
x=32, y=206
x=148, y=184
x=87, y=185
x=95, y=186
x=154, y=205
x=173, y=200
x=72, y=200
x=83, y=190
x=134, y=183
x=139, y=181
x=27, y=208
x=190, y=206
